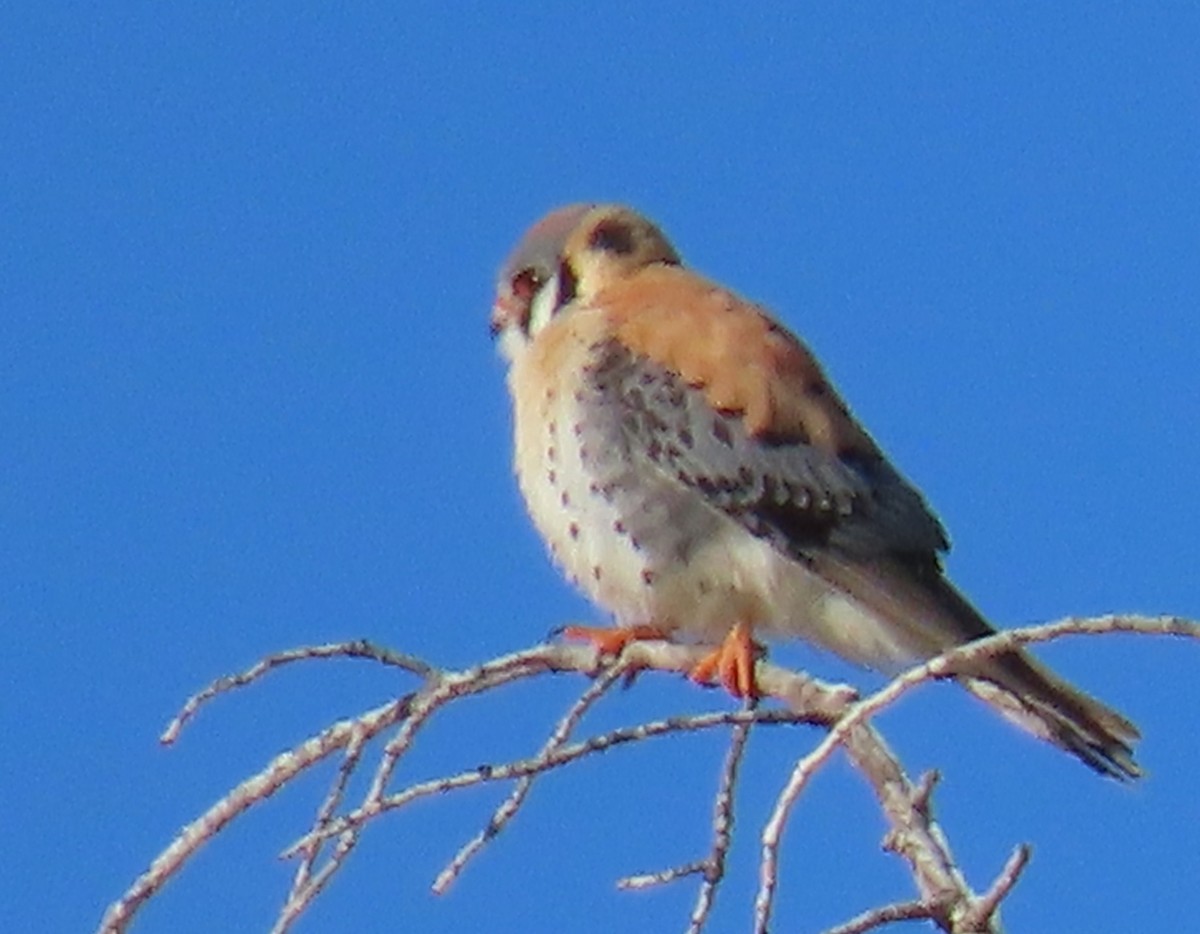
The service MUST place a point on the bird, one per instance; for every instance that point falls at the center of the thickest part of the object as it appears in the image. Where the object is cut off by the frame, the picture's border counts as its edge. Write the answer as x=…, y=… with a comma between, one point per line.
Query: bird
x=694, y=471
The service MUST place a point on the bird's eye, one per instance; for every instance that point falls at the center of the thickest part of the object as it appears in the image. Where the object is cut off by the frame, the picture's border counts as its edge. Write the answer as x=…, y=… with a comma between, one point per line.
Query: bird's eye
x=526, y=283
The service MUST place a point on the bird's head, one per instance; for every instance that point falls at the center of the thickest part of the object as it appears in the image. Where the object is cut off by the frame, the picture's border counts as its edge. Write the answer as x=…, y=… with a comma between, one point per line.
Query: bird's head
x=566, y=259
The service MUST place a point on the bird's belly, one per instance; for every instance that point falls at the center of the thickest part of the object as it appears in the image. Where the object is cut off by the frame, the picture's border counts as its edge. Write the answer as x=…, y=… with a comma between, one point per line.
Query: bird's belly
x=617, y=535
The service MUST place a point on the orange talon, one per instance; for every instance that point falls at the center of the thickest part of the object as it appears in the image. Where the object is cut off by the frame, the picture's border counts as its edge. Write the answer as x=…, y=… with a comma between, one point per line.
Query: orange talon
x=612, y=641
x=731, y=663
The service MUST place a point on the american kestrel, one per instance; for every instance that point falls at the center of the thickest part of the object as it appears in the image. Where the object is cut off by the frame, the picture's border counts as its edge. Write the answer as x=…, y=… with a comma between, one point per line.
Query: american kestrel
x=694, y=471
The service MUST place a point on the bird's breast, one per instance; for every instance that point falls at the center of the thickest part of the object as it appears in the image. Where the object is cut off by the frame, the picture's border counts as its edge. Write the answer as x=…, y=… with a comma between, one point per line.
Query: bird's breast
x=638, y=542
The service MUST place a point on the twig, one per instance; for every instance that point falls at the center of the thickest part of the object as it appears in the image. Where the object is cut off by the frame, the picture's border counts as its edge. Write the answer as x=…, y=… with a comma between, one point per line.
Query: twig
x=714, y=865
x=942, y=666
x=885, y=914
x=278, y=772
x=509, y=807
x=359, y=648
x=554, y=759
x=945, y=896
x=985, y=908
x=651, y=880
x=305, y=885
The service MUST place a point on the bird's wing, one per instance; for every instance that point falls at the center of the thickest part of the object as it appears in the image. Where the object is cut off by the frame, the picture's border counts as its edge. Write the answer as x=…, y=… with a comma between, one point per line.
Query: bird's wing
x=716, y=395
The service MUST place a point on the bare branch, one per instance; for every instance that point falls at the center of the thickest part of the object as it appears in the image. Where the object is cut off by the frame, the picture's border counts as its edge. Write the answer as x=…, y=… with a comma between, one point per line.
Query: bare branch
x=358, y=649
x=944, y=895
x=650, y=880
x=935, y=871
x=886, y=914
x=553, y=759
x=712, y=867
x=509, y=807
x=981, y=913
x=282, y=769
x=305, y=884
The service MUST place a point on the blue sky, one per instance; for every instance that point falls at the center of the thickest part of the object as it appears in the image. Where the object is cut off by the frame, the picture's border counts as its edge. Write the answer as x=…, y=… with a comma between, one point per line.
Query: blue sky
x=249, y=402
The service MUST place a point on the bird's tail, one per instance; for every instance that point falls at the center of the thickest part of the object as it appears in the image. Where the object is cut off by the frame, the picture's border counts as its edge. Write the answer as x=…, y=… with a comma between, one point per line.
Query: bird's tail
x=1029, y=695
x=924, y=612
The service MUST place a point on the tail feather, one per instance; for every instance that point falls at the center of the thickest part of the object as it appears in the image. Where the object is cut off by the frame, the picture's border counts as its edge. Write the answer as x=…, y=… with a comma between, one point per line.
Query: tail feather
x=930, y=616
x=1052, y=710
x=1033, y=697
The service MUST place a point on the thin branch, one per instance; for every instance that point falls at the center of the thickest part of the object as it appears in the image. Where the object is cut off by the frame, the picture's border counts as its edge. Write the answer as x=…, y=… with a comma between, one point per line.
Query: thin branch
x=509, y=807
x=981, y=913
x=942, y=666
x=299, y=900
x=278, y=772
x=359, y=648
x=651, y=880
x=886, y=914
x=714, y=865
x=305, y=884
x=945, y=896
x=913, y=833
x=553, y=759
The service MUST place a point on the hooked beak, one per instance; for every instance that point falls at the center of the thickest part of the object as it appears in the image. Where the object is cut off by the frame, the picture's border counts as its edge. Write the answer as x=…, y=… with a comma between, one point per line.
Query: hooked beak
x=507, y=310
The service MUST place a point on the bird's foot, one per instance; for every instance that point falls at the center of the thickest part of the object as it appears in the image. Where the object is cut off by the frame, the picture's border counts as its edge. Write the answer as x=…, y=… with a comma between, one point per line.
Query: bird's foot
x=612, y=641
x=731, y=663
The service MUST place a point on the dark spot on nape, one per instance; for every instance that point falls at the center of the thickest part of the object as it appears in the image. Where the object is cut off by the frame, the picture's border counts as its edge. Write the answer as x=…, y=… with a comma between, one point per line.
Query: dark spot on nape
x=619, y=527
x=573, y=531
x=552, y=477
x=552, y=453
x=565, y=499
x=596, y=572
x=647, y=577
x=612, y=236
x=568, y=283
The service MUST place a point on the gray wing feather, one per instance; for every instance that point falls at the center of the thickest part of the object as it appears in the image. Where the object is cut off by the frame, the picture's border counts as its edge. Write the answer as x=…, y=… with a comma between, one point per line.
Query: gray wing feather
x=794, y=494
